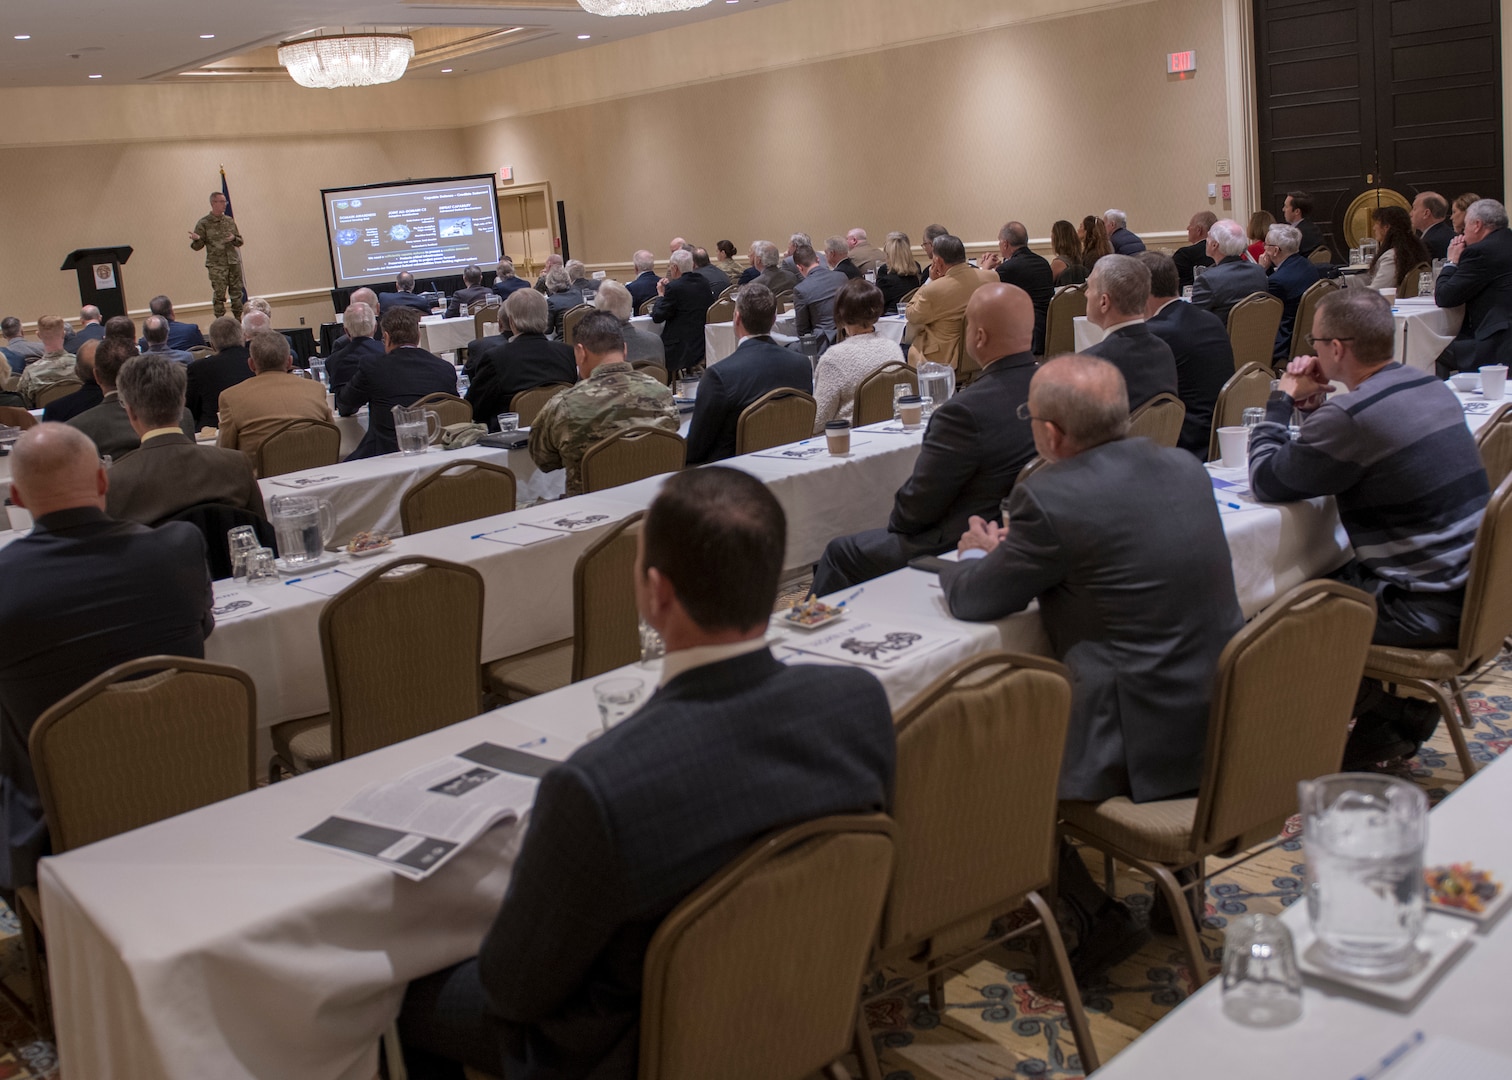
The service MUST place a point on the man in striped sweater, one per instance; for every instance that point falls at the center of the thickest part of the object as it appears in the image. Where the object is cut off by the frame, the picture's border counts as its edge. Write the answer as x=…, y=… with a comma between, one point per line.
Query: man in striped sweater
x=1395, y=453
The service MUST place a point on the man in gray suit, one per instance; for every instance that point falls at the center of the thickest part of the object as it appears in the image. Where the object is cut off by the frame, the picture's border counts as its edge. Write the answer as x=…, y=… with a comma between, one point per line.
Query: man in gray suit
x=779, y=279
x=106, y=424
x=1232, y=277
x=641, y=346
x=814, y=296
x=1121, y=543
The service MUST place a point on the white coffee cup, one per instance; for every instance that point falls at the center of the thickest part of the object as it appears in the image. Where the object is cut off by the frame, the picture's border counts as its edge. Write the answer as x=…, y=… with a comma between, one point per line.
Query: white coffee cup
x=20, y=519
x=1233, y=444
x=1493, y=381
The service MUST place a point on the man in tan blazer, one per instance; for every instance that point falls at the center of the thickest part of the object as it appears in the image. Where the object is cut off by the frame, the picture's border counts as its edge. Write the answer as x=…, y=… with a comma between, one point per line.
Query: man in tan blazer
x=250, y=411
x=866, y=257
x=169, y=472
x=935, y=314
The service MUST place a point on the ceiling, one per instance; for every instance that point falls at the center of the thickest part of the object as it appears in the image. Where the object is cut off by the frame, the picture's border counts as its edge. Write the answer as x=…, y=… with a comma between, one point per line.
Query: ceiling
x=127, y=42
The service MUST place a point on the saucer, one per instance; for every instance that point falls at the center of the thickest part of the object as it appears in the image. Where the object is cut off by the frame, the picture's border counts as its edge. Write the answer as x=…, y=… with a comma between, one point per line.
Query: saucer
x=1442, y=939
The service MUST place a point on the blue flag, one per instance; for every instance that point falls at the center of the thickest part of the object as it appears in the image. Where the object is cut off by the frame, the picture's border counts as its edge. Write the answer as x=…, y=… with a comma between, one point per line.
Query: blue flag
x=226, y=191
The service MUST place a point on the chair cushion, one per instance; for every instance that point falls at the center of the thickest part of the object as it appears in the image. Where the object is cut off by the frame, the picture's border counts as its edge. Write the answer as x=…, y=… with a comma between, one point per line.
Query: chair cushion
x=530, y=673
x=1158, y=832
x=305, y=744
x=1433, y=664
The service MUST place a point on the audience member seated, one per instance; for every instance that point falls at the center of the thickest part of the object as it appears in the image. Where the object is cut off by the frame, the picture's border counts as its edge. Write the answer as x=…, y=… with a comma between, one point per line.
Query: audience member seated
x=18, y=351
x=1259, y=225
x=756, y=367
x=705, y=269
x=898, y=274
x=1195, y=254
x=1399, y=252
x=1200, y=345
x=52, y=368
x=1297, y=209
x=582, y=281
x=974, y=447
x=404, y=297
x=1124, y=242
x=732, y=746
x=790, y=263
x=1066, y=246
x=1232, y=277
x=155, y=338
x=1017, y=265
x=726, y=263
x=471, y=292
x=612, y=396
x=507, y=281
x=524, y=361
x=552, y=262
x=80, y=594
x=837, y=257
x=683, y=305
x=865, y=257
x=1478, y=275
x=65, y=408
x=643, y=287
x=1459, y=209
x=934, y=314
x=92, y=328
x=1290, y=276
x=860, y=351
x=403, y=375
x=122, y=328
x=1093, y=232
x=561, y=297
x=170, y=472
x=814, y=296
x=641, y=346
x=210, y=375
x=261, y=303
x=1430, y=217
x=772, y=272
x=926, y=243
x=1118, y=296
x=181, y=336
x=1404, y=471
x=253, y=409
x=106, y=423
x=361, y=322
x=254, y=321
x=1120, y=542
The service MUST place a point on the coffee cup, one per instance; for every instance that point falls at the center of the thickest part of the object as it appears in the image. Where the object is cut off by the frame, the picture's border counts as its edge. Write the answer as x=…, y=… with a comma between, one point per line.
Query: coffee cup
x=1494, y=381
x=838, y=434
x=1233, y=445
x=911, y=410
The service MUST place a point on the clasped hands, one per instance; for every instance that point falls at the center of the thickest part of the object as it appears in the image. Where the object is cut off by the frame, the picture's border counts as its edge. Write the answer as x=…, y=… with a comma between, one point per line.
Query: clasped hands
x=981, y=535
x=1305, y=382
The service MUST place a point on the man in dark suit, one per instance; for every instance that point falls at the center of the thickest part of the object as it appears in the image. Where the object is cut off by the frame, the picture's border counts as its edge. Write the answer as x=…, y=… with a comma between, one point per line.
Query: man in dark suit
x=974, y=448
x=209, y=375
x=1118, y=294
x=1479, y=276
x=1232, y=277
x=582, y=284
x=1124, y=242
x=732, y=746
x=1430, y=217
x=1017, y=265
x=756, y=367
x=506, y=282
x=361, y=322
x=1120, y=542
x=1290, y=276
x=93, y=329
x=155, y=332
x=814, y=296
x=181, y=336
x=1297, y=210
x=405, y=297
x=685, y=299
x=86, y=397
x=643, y=287
x=561, y=297
x=79, y=595
x=837, y=258
x=471, y=292
x=522, y=362
x=772, y=272
x=1195, y=254
x=106, y=424
x=402, y=376
x=1200, y=345
x=704, y=268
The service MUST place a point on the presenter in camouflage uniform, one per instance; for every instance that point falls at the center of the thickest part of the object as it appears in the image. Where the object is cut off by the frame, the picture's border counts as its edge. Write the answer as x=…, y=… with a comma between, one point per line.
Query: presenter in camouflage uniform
x=611, y=396
x=218, y=235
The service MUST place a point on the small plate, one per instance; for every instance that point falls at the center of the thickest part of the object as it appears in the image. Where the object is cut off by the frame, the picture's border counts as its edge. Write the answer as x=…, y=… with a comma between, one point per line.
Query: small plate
x=787, y=620
x=1442, y=939
x=1480, y=918
x=369, y=552
x=328, y=559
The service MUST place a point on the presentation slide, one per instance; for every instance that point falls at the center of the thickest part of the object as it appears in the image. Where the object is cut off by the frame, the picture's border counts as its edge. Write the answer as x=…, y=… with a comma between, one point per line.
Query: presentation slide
x=432, y=228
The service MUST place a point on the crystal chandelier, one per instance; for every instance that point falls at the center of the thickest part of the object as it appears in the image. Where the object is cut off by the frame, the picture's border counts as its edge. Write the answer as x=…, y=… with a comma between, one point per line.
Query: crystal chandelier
x=347, y=59
x=638, y=7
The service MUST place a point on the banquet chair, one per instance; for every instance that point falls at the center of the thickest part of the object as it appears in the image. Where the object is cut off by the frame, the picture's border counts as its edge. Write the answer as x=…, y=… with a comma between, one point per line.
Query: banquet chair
x=1158, y=420
x=966, y=368
x=631, y=454
x=215, y=521
x=527, y=403
x=782, y=416
x=1485, y=623
x=874, y=397
x=653, y=369
x=905, y=298
x=492, y=300
x=1306, y=307
x=494, y=314
x=1320, y=256
x=401, y=648
x=1493, y=440
x=720, y=311
x=1034, y=466
x=17, y=417
x=199, y=352
x=1408, y=289
x=296, y=445
x=991, y=732
x=645, y=309
x=449, y=409
x=605, y=623
x=1247, y=388
x=1253, y=324
x=456, y=493
x=144, y=741
x=571, y=320
x=54, y=392
x=1282, y=700
x=1060, y=320
x=781, y=299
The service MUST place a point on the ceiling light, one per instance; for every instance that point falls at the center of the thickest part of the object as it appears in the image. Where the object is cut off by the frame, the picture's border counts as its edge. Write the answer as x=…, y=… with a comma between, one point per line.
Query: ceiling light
x=584, y=37
x=23, y=37
x=347, y=59
x=446, y=71
x=638, y=7
x=97, y=76
x=206, y=37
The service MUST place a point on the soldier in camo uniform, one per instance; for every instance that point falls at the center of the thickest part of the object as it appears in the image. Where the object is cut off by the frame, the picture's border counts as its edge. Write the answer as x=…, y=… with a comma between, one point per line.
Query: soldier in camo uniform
x=218, y=235
x=611, y=396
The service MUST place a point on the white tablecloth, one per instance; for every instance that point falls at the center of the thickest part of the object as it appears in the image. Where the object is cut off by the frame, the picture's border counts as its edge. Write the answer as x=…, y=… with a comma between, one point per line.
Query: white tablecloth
x=719, y=338
x=1423, y=330
x=645, y=322
x=889, y=326
x=1086, y=333
x=440, y=335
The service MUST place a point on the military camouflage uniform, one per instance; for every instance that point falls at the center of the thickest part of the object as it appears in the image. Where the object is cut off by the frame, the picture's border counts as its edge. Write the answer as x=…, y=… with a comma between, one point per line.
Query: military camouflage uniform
x=613, y=397
x=48, y=370
x=221, y=239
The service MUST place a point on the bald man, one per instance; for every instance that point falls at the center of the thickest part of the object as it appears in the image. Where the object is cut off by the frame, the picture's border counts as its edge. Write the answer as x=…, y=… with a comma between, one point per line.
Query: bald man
x=78, y=595
x=974, y=447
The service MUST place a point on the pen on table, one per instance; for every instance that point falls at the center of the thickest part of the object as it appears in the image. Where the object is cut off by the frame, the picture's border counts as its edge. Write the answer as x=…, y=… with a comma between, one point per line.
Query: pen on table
x=1392, y=1058
x=852, y=596
x=1230, y=505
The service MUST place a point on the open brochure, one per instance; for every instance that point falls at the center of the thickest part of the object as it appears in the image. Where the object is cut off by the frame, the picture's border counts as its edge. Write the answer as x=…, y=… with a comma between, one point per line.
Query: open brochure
x=415, y=824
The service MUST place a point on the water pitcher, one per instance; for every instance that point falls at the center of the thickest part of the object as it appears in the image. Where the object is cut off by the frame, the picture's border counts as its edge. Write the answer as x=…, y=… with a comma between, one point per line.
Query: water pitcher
x=304, y=525
x=937, y=383
x=415, y=429
x=1364, y=837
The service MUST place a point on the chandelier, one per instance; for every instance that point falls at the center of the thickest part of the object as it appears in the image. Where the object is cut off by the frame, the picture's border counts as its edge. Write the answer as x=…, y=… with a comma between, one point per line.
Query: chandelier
x=347, y=59
x=638, y=7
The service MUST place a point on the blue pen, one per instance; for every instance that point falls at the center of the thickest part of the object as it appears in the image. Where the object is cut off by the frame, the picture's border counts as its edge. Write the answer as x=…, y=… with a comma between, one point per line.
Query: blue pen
x=294, y=581
x=533, y=742
x=1392, y=1058
x=1231, y=506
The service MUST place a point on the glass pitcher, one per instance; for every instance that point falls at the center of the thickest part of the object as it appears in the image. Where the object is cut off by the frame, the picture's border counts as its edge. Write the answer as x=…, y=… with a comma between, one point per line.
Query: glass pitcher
x=936, y=385
x=1364, y=836
x=415, y=429
x=303, y=525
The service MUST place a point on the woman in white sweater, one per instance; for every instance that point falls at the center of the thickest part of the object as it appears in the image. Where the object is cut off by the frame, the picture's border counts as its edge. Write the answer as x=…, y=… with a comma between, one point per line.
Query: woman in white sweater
x=860, y=352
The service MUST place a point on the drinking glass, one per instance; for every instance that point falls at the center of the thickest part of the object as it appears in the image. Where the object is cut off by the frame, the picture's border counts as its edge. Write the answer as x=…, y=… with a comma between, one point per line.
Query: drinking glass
x=1261, y=984
x=1425, y=283
x=652, y=646
x=239, y=541
x=1253, y=415
x=617, y=699
x=509, y=422
x=261, y=569
x=926, y=403
x=900, y=390
x=1354, y=256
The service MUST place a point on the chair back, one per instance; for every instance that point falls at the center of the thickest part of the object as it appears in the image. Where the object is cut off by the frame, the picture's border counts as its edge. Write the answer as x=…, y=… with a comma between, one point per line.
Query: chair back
x=1321, y=256
x=874, y=397
x=571, y=320
x=653, y=369
x=530, y=402
x=449, y=409
x=214, y=521
x=966, y=368
x=57, y=390
x=783, y=298
x=1288, y=679
x=1407, y=285
x=1247, y=388
x=491, y=314
x=1306, y=307
x=905, y=298
x=1060, y=320
x=17, y=417
x=1035, y=465
x=1252, y=327
x=757, y=975
x=729, y=294
x=631, y=454
x=1486, y=620
x=296, y=445
x=1493, y=440
x=456, y=493
x=605, y=621
x=124, y=750
x=645, y=308
x=199, y=352
x=492, y=300
x=991, y=732
x=720, y=311
x=1158, y=420
x=402, y=653
x=782, y=416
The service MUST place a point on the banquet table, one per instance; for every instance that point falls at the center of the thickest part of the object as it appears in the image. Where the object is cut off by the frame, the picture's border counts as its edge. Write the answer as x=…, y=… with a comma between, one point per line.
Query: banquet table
x=1423, y=329
x=442, y=335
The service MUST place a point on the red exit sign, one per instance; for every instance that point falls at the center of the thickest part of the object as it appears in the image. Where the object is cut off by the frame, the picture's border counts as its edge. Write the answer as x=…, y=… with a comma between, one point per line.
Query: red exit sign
x=1181, y=63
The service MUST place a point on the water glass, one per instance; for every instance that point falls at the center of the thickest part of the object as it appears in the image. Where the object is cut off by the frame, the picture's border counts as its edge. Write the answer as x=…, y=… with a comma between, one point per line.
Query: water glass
x=927, y=404
x=587, y=296
x=239, y=541
x=1003, y=509
x=509, y=422
x=900, y=390
x=653, y=648
x=617, y=699
x=1354, y=256
x=261, y=567
x=1262, y=986
x=1425, y=283
x=1253, y=415
x=1186, y=293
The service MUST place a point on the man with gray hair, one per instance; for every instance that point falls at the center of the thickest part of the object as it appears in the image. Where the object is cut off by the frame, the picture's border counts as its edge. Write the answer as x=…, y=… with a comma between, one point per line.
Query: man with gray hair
x=1017, y=264
x=252, y=410
x=211, y=375
x=507, y=281
x=837, y=255
x=683, y=306
x=92, y=329
x=1479, y=276
x=561, y=297
x=931, y=234
x=1290, y=275
x=106, y=424
x=473, y=290
x=1232, y=277
x=1195, y=254
x=797, y=240
x=772, y=273
x=1118, y=294
x=253, y=321
x=866, y=257
x=552, y=262
x=934, y=314
x=1430, y=217
x=361, y=322
x=641, y=346
x=582, y=281
x=1124, y=242
x=170, y=473
x=643, y=287
x=521, y=359
x=155, y=337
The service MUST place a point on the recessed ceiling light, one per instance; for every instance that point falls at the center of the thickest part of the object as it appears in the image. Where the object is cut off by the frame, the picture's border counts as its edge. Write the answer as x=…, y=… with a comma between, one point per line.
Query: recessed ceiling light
x=206, y=37
x=446, y=71
x=23, y=37
x=584, y=37
x=97, y=76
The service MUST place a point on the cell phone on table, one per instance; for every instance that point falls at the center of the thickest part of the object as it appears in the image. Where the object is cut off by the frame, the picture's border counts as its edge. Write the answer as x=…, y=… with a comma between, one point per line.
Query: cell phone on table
x=930, y=564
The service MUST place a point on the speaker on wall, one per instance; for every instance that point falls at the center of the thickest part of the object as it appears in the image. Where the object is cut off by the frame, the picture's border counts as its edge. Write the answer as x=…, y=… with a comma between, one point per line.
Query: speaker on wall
x=562, y=229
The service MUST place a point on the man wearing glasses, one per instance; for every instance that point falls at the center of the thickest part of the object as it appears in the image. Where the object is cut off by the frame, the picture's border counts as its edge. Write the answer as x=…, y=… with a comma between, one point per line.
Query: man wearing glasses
x=1291, y=275
x=1396, y=454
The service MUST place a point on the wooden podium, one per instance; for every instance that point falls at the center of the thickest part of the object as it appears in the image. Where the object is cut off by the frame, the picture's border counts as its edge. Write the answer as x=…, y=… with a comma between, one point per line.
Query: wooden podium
x=100, y=281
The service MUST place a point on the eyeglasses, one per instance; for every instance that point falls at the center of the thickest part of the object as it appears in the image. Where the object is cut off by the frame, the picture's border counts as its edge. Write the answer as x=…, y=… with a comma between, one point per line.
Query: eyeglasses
x=1312, y=342
x=1022, y=412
